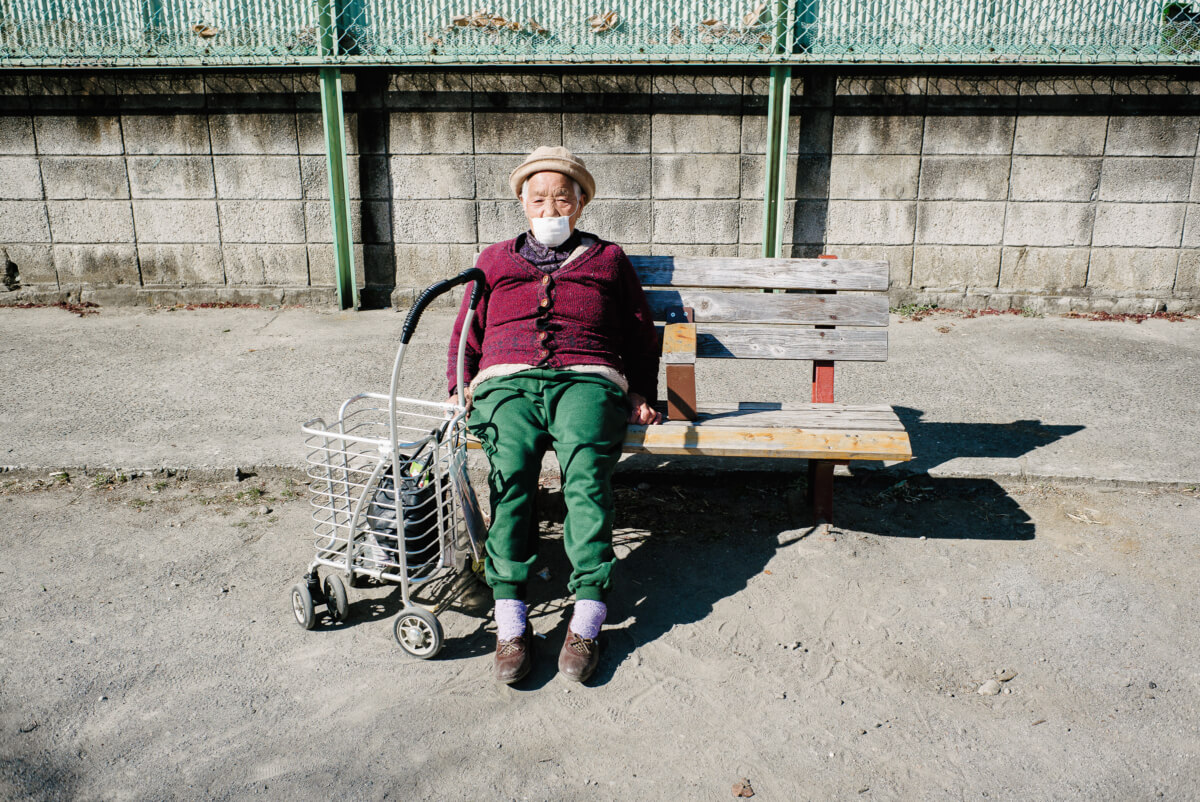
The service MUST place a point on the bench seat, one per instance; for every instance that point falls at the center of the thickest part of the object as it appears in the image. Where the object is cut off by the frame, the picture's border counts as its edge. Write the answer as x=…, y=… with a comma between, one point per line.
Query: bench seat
x=800, y=430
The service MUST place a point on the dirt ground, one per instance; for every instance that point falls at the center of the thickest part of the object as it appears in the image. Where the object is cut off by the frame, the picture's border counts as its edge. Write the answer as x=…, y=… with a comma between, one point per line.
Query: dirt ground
x=149, y=651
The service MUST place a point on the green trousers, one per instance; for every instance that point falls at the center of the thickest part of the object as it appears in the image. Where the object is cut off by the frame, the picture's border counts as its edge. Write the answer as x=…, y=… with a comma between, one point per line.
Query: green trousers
x=517, y=418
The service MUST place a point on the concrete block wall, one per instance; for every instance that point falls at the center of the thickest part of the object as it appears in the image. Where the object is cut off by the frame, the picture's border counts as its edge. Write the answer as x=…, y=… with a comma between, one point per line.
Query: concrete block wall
x=1033, y=189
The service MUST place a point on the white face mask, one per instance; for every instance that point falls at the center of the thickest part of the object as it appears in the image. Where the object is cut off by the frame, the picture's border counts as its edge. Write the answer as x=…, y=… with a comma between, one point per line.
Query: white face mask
x=551, y=231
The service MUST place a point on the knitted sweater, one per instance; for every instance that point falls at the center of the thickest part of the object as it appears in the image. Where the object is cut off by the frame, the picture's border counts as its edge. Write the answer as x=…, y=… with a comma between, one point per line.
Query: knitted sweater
x=590, y=311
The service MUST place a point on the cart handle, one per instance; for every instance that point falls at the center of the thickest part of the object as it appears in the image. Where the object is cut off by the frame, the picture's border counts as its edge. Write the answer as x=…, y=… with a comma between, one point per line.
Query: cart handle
x=434, y=290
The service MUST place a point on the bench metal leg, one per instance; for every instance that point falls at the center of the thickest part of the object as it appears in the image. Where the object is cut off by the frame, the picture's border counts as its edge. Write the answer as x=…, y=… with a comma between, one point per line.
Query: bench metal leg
x=820, y=489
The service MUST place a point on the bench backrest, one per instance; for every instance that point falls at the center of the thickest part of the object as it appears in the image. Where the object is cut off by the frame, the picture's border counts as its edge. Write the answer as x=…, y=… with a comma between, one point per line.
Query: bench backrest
x=830, y=309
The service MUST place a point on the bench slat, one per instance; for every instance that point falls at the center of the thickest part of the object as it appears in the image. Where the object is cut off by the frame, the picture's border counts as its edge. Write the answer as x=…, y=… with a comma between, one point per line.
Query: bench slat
x=685, y=438
x=803, y=416
x=786, y=342
x=714, y=306
x=779, y=274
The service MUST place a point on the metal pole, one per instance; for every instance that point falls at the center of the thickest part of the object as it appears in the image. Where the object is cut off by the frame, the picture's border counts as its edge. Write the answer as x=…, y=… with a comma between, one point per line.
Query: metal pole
x=333, y=118
x=779, y=99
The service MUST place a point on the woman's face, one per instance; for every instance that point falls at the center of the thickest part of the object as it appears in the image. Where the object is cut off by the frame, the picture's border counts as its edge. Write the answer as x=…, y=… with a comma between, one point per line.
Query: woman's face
x=550, y=194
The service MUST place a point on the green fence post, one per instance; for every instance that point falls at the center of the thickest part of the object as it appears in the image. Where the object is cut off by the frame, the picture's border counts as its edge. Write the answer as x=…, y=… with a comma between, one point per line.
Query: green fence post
x=779, y=100
x=333, y=118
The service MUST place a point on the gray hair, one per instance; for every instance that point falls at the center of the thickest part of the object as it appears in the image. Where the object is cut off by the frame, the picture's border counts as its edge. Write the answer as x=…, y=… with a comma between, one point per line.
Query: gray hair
x=574, y=183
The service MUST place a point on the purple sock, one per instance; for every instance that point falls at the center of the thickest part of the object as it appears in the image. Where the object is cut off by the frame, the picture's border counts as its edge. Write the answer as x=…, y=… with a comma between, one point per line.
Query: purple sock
x=588, y=618
x=511, y=615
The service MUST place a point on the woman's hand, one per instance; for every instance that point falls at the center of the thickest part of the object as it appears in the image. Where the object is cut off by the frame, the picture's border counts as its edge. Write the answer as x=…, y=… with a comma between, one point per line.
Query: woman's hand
x=642, y=412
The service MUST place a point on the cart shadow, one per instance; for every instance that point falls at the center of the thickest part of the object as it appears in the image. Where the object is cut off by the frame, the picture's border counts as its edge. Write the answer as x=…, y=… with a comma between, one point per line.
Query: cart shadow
x=683, y=548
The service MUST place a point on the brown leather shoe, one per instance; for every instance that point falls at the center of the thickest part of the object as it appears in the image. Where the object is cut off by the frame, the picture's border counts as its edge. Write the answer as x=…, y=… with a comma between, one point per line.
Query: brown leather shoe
x=578, y=658
x=514, y=658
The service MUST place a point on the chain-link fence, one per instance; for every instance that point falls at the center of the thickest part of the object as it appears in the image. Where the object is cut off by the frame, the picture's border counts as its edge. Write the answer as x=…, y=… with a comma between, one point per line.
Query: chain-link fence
x=37, y=33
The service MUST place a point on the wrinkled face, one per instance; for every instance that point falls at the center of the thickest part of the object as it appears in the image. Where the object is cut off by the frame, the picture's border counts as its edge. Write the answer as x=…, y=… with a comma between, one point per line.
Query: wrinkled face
x=550, y=194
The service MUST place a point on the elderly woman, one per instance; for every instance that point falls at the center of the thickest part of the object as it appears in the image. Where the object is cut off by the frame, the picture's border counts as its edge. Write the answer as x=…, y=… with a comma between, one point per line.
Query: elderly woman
x=562, y=353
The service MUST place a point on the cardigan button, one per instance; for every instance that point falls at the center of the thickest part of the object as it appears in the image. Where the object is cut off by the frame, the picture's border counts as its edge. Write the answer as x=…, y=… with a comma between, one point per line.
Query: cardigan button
x=542, y=336
x=545, y=281
x=543, y=353
x=544, y=303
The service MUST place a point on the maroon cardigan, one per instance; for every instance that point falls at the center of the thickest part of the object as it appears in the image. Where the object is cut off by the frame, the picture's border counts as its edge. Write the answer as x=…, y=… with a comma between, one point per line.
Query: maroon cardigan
x=590, y=311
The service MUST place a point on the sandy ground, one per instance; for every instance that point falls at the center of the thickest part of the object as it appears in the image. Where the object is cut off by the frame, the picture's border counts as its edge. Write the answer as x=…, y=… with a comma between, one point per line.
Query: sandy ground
x=149, y=651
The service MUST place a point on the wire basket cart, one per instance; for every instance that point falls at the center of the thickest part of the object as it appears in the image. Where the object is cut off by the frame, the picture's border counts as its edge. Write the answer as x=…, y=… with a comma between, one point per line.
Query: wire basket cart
x=391, y=498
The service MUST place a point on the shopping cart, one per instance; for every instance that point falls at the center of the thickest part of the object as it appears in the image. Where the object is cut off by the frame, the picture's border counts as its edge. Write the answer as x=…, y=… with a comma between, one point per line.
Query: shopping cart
x=391, y=498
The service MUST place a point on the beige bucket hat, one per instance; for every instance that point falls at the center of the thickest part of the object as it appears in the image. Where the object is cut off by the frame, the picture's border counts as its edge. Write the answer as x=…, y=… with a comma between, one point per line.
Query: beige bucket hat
x=558, y=160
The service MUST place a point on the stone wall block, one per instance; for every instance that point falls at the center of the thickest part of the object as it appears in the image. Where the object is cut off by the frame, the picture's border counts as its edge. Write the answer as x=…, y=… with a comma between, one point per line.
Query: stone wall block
x=620, y=177
x=491, y=176
x=1139, y=270
x=950, y=134
x=964, y=177
x=1146, y=179
x=91, y=221
x=314, y=177
x=176, y=221
x=701, y=251
x=174, y=177
x=181, y=264
x=696, y=133
x=84, y=177
x=16, y=136
x=266, y=264
x=82, y=135
x=1060, y=135
x=261, y=221
x=424, y=132
x=24, y=221
x=618, y=220
x=960, y=223
x=803, y=223
x=416, y=177
x=857, y=177
x=1145, y=225
x=871, y=222
x=955, y=266
x=606, y=133
x=449, y=221
x=20, y=179
x=322, y=265
x=696, y=83
x=877, y=134
x=96, y=264
x=257, y=177
x=1044, y=269
x=253, y=134
x=318, y=226
x=1191, y=229
x=515, y=132
x=699, y=221
x=1055, y=178
x=1152, y=135
x=310, y=133
x=800, y=123
x=419, y=266
x=167, y=134
x=34, y=263
x=1187, y=277
x=807, y=177
x=698, y=176
x=498, y=220
x=1049, y=224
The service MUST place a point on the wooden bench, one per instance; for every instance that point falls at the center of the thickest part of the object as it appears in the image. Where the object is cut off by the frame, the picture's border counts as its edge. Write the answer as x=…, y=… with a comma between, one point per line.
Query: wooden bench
x=722, y=308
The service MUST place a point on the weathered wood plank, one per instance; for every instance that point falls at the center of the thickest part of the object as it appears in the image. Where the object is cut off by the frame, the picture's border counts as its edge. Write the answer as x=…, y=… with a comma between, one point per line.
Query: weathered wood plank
x=715, y=306
x=779, y=274
x=718, y=341
x=813, y=416
x=683, y=438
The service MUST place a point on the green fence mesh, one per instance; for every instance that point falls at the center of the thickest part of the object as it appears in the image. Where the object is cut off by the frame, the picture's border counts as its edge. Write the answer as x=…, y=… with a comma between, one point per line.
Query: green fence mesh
x=38, y=33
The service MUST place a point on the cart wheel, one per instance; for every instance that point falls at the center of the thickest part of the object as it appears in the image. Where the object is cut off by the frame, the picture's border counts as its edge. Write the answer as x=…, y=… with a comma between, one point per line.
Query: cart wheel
x=418, y=632
x=335, y=598
x=302, y=606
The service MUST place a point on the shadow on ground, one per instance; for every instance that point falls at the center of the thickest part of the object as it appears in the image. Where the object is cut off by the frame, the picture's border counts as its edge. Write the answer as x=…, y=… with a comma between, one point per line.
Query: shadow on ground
x=936, y=442
x=688, y=543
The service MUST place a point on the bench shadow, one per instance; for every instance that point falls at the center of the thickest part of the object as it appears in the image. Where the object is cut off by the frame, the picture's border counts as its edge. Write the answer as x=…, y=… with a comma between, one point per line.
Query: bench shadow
x=687, y=542
x=936, y=442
